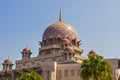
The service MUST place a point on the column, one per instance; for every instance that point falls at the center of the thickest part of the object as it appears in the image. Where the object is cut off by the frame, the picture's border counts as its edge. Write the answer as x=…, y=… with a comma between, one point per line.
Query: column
x=52, y=75
x=13, y=76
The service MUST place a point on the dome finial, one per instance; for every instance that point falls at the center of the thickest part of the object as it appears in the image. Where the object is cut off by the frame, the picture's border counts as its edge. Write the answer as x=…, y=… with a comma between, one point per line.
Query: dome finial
x=60, y=15
x=26, y=46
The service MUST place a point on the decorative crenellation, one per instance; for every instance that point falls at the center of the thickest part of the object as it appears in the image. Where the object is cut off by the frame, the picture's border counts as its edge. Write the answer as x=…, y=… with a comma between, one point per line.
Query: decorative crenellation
x=32, y=62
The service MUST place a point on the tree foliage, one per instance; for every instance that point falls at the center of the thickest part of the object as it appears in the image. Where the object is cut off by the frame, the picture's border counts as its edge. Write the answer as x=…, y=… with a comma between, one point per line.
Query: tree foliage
x=30, y=76
x=96, y=67
x=119, y=78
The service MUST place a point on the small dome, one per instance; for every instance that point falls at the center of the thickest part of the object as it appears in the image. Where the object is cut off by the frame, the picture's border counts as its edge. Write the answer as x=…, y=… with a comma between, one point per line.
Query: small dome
x=65, y=40
x=26, y=50
x=60, y=29
x=92, y=52
x=68, y=49
x=8, y=61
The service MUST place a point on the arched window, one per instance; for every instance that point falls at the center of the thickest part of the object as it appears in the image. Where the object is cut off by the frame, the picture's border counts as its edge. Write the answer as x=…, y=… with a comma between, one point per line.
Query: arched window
x=65, y=73
x=62, y=46
x=59, y=74
x=47, y=52
x=50, y=42
x=73, y=42
x=58, y=40
x=45, y=43
x=72, y=72
x=65, y=56
x=70, y=55
x=28, y=55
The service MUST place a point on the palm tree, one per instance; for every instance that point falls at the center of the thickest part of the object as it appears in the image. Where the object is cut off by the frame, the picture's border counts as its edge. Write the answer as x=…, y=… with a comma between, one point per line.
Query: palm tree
x=95, y=67
x=30, y=76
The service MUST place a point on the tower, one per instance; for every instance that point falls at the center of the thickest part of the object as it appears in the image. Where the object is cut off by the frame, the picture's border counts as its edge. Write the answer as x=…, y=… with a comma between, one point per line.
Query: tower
x=7, y=65
x=26, y=53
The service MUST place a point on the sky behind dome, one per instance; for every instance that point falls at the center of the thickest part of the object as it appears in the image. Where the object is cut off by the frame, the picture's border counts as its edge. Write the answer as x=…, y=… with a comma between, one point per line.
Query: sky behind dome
x=22, y=22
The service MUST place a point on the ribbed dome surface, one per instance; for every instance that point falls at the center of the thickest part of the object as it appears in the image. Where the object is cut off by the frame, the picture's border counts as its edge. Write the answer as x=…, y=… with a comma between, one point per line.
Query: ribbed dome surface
x=60, y=29
x=8, y=61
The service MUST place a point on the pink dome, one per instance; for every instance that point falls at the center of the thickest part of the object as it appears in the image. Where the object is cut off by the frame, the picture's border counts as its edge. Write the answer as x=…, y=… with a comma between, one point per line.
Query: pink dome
x=68, y=49
x=58, y=30
x=26, y=50
x=92, y=52
x=8, y=61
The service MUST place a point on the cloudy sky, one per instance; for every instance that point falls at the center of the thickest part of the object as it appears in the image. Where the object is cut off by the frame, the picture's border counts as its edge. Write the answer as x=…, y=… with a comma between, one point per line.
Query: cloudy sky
x=22, y=22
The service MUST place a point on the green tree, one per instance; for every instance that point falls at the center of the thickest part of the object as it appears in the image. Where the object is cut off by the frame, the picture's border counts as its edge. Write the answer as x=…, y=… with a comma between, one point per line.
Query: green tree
x=119, y=78
x=95, y=67
x=30, y=76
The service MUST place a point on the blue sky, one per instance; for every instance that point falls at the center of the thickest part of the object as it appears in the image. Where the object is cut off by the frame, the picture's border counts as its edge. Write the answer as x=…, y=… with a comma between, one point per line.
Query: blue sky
x=22, y=23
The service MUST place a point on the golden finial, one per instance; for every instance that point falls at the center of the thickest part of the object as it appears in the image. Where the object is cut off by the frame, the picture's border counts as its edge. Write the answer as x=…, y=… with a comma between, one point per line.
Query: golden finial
x=60, y=15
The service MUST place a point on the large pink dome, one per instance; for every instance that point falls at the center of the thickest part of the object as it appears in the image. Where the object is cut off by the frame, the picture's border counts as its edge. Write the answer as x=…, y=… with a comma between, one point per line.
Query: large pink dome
x=58, y=30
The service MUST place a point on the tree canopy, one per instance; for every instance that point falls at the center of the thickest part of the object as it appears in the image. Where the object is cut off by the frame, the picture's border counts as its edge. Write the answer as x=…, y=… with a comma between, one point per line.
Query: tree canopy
x=119, y=78
x=96, y=67
x=30, y=76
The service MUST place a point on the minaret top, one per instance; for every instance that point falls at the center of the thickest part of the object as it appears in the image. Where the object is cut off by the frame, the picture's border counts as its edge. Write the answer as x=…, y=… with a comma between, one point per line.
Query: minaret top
x=60, y=15
x=8, y=61
x=92, y=52
x=26, y=49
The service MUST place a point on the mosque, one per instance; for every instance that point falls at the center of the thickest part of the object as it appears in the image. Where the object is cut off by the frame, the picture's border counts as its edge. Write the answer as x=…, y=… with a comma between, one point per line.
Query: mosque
x=59, y=56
